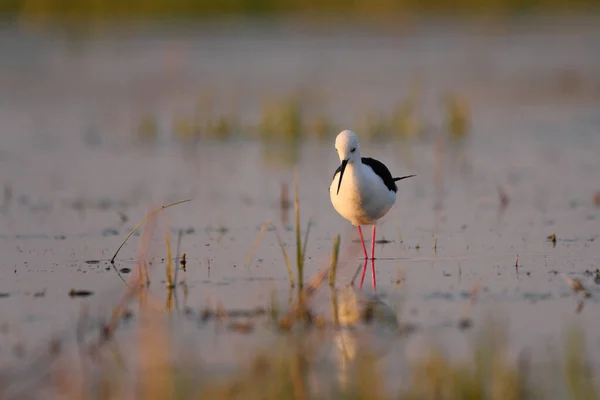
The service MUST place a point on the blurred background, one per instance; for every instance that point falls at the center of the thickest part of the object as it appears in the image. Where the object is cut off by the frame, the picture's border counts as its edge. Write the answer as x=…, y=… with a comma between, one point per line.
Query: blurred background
x=109, y=106
x=185, y=70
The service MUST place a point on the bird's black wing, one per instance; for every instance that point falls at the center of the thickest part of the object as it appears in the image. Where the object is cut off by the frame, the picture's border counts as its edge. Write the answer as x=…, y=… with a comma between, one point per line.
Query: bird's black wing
x=382, y=171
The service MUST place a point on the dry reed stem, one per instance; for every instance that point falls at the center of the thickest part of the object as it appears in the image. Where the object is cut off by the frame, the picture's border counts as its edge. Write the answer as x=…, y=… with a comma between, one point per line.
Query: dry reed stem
x=170, y=284
x=285, y=256
x=142, y=250
x=299, y=255
x=140, y=273
x=112, y=260
x=179, y=235
x=146, y=274
x=263, y=229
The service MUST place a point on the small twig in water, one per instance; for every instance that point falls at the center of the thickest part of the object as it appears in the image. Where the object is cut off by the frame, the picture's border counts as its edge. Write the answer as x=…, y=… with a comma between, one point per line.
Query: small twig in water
x=263, y=228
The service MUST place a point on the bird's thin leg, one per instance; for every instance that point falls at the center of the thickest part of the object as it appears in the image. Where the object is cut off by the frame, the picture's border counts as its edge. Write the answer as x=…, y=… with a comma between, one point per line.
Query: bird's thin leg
x=373, y=258
x=362, y=241
x=362, y=278
x=373, y=242
x=373, y=273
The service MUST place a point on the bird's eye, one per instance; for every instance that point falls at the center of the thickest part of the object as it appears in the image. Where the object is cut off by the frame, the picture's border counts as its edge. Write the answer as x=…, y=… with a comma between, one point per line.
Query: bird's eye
x=353, y=150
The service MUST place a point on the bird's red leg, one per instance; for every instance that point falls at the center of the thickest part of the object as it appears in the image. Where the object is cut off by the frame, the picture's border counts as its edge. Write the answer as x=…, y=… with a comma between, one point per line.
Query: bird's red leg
x=373, y=243
x=362, y=278
x=362, y=241
x=373, y=259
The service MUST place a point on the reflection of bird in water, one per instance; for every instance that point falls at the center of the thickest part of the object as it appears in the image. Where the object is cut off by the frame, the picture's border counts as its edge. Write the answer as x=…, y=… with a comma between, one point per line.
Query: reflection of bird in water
x=350, y=309
x=367, y=193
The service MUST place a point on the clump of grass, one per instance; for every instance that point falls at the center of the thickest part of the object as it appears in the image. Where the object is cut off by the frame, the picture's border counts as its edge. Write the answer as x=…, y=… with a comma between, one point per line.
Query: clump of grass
x=404, y=121
x=147, y=129
x=293, y=117
x=184, y=130
x=222, y=127
x=321, y=127
x=193, y=129
x=300, y=243
x=458, y=117
x=204, y=122
x=283, y=119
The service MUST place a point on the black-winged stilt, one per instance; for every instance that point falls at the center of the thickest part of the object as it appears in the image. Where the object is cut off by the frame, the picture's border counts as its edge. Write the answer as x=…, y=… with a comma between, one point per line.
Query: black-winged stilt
x=362, y=191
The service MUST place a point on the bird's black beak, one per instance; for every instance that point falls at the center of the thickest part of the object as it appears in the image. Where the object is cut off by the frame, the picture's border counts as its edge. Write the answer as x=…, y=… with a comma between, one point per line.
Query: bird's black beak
x=341, y=175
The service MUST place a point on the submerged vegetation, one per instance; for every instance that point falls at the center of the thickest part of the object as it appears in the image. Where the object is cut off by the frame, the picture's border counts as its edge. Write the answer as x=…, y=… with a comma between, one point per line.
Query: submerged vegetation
x=285, y=122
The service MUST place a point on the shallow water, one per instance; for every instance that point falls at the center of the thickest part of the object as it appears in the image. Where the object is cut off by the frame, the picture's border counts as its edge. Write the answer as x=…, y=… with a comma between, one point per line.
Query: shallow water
x=76, y=180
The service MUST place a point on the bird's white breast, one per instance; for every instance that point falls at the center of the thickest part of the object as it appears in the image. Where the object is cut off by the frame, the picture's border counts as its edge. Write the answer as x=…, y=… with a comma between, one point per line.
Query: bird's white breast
x=363, y=197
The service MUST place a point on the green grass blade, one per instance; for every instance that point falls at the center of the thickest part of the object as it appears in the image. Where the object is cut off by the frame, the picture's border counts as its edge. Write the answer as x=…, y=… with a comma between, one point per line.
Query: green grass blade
x=299, y=261
x=334, y=260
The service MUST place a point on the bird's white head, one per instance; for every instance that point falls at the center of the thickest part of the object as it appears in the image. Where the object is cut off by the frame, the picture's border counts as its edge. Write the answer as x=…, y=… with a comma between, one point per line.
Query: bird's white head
x=346, y=144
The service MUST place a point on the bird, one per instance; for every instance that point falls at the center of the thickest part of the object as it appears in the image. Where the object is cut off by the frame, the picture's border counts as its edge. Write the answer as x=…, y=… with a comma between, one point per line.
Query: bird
x=362, y=191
